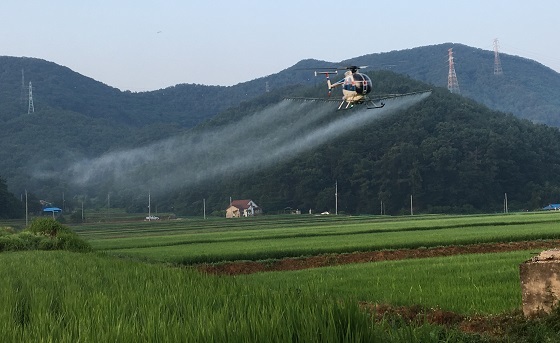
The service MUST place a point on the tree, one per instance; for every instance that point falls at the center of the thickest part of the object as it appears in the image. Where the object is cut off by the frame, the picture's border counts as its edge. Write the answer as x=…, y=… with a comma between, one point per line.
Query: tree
x=10, y=206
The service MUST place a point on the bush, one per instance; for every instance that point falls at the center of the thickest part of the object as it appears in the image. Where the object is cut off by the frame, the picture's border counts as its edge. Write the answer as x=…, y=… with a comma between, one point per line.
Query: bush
x=43, y=234
x=71, y=242
x=30, y=241
x=47, y=227
x=47, y=243
x=11, y=243
x=7, y=230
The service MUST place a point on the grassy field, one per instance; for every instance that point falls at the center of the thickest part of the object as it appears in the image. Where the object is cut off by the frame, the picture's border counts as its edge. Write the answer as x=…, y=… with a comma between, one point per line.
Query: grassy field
x=466, y=284
x=198, y=241
x=66, y=297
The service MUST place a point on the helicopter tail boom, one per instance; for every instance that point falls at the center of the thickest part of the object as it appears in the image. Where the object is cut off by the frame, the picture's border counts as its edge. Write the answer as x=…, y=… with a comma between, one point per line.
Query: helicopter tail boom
x=326, y=73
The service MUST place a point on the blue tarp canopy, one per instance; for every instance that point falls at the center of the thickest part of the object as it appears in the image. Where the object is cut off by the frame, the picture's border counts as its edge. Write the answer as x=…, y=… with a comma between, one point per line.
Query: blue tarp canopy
x=552, y=207
x=52, y=209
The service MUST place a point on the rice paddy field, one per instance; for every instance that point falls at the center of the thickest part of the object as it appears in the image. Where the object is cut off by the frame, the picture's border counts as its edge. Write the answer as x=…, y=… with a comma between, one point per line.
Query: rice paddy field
x=144, y=283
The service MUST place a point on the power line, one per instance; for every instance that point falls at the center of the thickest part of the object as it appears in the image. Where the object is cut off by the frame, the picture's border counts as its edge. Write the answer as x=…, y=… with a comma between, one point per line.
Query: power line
x=532, y=54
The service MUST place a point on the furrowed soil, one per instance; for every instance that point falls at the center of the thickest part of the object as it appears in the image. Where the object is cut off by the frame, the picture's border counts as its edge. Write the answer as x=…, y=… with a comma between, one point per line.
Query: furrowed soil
x=249, y=267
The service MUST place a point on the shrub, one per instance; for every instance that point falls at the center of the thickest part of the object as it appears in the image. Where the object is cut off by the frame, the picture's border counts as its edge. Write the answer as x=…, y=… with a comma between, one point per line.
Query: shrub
x=43, y=234
x=71, y=242
x=11, y=243
x=47, y=227
x=47, y=243
x=30, y=241
x=7, y=230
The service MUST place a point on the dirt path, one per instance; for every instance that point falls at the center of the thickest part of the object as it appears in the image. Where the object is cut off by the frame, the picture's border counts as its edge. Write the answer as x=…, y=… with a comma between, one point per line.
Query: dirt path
x=249, y=267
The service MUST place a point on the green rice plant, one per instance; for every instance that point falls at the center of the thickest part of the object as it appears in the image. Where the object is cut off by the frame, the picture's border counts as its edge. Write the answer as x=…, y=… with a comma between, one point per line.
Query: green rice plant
x=467, y=284
x=195, y=241
x=66, y=297
x=21, y=306
x=283, y=227
x=340, y=242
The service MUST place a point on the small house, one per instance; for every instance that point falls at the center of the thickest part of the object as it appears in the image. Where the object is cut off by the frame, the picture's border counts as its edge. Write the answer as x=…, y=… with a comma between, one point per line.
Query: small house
x=242, y=208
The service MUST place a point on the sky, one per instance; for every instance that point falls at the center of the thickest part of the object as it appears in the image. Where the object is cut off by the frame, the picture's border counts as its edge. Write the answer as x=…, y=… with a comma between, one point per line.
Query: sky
x=144, y=45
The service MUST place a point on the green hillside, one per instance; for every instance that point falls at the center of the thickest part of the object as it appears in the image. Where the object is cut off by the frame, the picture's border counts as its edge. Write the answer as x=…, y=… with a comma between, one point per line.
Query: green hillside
x=527, y=89
x=449, y=153
x=427, y=154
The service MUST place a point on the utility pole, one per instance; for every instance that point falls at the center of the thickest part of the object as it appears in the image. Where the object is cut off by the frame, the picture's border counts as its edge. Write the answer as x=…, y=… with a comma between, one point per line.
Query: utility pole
x=149, y=206
x=26, y=210
x=411, y=211
x=336, y=198
x=108, y=204
x=452, y=82
x=497, y=63
x=505, y=203
x=204, y=206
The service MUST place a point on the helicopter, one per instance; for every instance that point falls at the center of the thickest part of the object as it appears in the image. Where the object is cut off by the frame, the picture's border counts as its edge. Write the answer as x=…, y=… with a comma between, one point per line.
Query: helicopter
x=355, y=87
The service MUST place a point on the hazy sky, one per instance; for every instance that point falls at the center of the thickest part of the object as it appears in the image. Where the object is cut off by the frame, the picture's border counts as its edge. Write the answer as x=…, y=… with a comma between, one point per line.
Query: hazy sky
x=141, y=45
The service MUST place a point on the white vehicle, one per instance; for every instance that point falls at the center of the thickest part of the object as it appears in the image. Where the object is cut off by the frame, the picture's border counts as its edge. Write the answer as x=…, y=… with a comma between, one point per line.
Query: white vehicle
x=152, y=218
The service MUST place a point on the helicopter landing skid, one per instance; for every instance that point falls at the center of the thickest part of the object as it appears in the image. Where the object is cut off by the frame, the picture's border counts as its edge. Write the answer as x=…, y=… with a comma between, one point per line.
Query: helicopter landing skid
x=372, y=105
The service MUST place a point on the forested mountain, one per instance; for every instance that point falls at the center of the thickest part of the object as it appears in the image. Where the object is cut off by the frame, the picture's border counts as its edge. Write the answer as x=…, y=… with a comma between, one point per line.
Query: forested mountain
x=10, y=206
x=61, y=89
x=76, y=117
x=451, y=154
x=526, y=88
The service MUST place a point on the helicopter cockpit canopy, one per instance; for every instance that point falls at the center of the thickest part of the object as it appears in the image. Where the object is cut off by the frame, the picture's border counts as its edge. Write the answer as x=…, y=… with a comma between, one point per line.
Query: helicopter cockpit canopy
x=358, y=82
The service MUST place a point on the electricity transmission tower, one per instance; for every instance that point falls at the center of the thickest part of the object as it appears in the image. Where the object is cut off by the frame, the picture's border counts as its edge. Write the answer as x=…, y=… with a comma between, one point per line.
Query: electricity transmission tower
x=452, y=82
x=30, y=108
x=497, y=63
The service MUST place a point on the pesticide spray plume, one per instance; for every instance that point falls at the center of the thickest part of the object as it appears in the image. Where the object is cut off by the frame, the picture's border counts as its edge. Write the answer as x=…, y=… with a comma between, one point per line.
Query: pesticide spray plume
x=273, y=135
